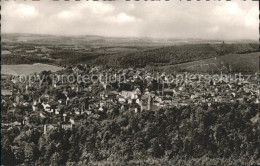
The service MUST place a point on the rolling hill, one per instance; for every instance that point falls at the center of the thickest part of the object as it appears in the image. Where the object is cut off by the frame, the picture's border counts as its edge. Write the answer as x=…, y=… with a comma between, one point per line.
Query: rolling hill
x=95, y=40
x=120, y=52
x=229, y=63
x=174, y=55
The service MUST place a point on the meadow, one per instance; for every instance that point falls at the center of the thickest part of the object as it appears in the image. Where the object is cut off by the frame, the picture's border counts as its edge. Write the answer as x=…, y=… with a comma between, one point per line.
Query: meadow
x=229, y=63
x=27, y=69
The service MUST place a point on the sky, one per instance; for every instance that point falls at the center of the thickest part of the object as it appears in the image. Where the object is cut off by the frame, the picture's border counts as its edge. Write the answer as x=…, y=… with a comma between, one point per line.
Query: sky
x=222, y=20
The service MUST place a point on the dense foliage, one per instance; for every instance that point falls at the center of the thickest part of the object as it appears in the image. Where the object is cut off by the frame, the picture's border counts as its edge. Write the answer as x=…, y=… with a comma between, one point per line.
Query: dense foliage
x=17, y=59
x=172, y=55
x=72, y=57
x=221, y=134
x=140, y=57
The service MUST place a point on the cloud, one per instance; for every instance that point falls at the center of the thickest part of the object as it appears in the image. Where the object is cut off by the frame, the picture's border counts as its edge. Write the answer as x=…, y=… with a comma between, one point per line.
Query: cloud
x=97, y=7
x=214, y=29
x=20, y=10
x=66, y=14
x=124, y=18
x=26, y=10
x=229, y=8
x=250, y=17
x=178, y=19
x=230, y=12
x=80, y=10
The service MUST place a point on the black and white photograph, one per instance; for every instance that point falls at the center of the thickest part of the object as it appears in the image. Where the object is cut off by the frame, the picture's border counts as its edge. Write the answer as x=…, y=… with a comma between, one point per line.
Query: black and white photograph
x=130, y=83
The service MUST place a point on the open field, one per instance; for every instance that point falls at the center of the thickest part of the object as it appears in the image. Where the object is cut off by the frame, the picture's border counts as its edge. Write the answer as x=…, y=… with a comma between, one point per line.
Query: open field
x=27, y=69
x=230, y=62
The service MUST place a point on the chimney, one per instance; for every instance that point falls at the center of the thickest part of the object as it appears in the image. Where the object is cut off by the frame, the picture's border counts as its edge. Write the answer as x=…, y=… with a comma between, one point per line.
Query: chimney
x=45, y=129
x=149, y=103
x=64, y=117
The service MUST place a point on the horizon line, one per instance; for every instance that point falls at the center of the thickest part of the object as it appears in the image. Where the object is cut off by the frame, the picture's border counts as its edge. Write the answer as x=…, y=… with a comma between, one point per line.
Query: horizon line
x=178, y=38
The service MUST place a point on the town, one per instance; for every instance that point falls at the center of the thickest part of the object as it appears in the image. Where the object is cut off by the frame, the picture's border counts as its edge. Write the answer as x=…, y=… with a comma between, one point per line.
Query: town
x=63, y=104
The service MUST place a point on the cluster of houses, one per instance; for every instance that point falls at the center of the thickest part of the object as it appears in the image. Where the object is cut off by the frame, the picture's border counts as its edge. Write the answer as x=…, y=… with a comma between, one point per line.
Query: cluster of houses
x=65, y=104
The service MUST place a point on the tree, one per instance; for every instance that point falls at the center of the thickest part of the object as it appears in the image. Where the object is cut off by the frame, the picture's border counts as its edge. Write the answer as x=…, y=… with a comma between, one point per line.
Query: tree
x=31, y=153
x=7, y=157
